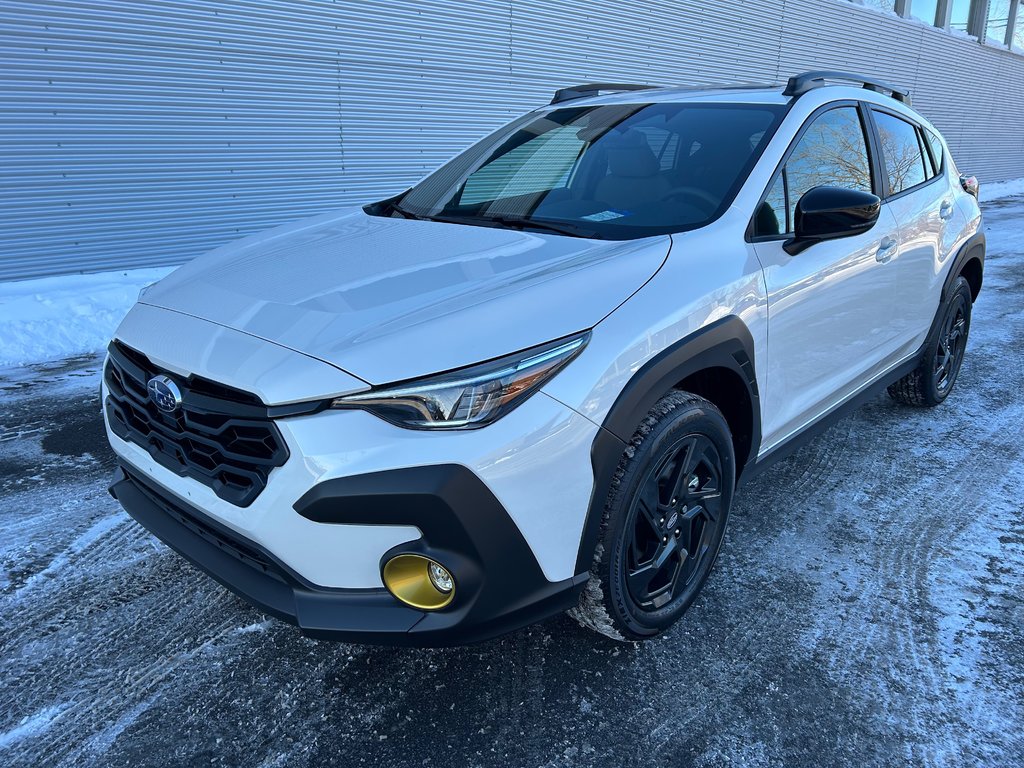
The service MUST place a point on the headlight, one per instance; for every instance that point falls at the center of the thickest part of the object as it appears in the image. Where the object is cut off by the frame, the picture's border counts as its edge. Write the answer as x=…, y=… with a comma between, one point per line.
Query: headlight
x=469, y=397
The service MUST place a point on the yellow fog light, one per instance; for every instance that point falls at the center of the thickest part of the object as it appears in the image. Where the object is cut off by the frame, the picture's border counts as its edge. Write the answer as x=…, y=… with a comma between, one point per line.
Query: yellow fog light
x=419, y=581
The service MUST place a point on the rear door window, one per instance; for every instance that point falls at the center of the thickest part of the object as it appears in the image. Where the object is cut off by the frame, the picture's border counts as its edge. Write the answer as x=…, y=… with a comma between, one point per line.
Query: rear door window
x=901, y=152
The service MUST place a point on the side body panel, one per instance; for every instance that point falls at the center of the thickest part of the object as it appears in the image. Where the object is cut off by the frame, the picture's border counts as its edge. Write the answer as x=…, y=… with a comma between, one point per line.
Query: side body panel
x=931, y=225
x=832, y=324
x=710, y=274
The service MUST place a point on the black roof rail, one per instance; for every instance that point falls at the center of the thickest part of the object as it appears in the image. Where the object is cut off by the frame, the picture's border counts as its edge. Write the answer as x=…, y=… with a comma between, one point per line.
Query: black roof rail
x=593, y=89
x=807, y=81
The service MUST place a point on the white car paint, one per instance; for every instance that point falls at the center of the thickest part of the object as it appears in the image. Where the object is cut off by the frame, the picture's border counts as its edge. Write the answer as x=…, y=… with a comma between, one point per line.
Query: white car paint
x=321, y=308
x=540, y=439
x=388, y=299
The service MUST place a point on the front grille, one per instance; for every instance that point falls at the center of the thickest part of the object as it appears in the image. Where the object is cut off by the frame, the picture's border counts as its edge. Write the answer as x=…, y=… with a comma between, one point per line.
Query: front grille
x=220, y=436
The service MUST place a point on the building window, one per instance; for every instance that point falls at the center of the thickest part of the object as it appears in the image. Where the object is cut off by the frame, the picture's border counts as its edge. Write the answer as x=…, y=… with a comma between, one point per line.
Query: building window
x=1017, y=38
x=998, y=21
x=960, y=15
x=925, y=10
x=885, y=5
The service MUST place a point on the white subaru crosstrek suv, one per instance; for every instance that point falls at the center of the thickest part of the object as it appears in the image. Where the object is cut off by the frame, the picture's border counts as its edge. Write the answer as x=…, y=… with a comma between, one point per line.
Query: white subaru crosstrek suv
x=532, y=382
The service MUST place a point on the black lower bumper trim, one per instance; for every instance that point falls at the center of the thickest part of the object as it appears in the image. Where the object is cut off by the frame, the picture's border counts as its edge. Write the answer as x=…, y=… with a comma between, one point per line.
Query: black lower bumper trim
x=356, y=615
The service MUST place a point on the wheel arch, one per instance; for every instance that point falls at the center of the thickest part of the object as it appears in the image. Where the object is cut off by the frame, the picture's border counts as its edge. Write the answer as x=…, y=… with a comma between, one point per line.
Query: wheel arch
x=715, y=362
x=970, y=263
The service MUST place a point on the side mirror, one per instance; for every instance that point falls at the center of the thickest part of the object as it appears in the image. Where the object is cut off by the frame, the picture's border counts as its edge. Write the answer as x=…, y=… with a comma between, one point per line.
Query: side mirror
x=826, y=213
x=969, y=184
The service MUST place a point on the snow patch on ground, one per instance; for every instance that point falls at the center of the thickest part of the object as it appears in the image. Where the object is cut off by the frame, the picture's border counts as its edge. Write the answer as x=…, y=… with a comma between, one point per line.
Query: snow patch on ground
x=1001, y=189
x=33, y=725
x=56, y=317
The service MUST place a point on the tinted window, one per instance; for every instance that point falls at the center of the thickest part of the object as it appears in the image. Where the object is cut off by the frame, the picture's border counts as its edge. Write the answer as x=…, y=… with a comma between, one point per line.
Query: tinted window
x=771, y=216
x=930, y=171
x=832, y=152
x=614, y=171
x=938, y=154
x=901, y=152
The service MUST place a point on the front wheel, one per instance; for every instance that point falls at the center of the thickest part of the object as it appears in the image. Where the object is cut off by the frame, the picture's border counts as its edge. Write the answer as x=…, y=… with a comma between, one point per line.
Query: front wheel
x=932, y=381
x=664, y=520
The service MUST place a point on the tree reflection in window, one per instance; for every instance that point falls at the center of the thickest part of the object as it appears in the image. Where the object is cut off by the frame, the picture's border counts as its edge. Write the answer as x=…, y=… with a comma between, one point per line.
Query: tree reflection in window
x=901, y=150
x=833, y=153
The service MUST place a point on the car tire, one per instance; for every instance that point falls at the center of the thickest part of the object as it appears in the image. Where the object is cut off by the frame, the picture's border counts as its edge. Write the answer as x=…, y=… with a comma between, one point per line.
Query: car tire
x=932, y=381
x=664, y=520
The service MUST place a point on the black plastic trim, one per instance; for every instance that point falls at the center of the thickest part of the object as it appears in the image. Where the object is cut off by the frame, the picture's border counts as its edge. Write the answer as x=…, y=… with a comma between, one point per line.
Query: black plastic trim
x=499, y=583
x=219, y=436
x=725, y=343
x=585, y=90
x=974, y=248
x=504, y=601
x=805, y=82
x=827, y=420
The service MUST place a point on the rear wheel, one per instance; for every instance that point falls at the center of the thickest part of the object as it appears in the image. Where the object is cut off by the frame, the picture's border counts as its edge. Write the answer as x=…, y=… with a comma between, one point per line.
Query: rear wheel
x=664, y=520
x=932, y=381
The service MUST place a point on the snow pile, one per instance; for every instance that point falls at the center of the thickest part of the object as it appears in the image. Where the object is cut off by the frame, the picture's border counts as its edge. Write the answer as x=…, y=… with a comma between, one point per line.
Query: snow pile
x=1000, y=189
x=57, y=317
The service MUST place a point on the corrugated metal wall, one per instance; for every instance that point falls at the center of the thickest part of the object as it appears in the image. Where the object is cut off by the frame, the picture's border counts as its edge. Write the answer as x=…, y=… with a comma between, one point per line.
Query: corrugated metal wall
x=142, y=133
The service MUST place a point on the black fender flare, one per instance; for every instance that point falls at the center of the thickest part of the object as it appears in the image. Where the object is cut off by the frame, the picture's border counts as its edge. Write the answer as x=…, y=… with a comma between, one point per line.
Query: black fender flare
x=974, y=248
x=724, y=343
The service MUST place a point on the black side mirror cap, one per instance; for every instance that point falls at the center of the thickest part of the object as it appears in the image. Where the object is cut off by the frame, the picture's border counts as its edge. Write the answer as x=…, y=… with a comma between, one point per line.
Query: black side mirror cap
x=827, y=213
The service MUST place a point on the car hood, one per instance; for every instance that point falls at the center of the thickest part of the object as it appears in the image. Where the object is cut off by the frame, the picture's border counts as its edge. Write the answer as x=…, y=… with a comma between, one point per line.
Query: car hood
x=390, y=299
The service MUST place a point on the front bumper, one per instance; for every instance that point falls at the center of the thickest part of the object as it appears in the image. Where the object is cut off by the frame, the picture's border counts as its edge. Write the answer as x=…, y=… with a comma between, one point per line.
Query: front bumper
x=462, y=523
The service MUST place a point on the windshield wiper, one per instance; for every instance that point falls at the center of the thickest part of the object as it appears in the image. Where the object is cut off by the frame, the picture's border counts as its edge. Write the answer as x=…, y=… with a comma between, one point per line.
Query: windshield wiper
x=405, y=213
x=516, y=223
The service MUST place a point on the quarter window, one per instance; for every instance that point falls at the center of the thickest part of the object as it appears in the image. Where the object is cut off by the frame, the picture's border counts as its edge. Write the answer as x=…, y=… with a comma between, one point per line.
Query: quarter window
x=938, y=155
x=901, y=151
x=832, y=152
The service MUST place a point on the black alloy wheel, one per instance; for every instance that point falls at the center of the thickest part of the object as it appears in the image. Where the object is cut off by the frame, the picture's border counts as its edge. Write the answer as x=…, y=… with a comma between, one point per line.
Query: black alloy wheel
x=664, y=520
x=674, y=523
x=933, y=379
x=949, y=354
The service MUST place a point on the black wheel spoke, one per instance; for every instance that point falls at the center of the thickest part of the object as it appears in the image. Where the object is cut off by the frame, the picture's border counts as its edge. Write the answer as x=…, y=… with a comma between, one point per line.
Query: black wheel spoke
x=949, y=351
x=640, y=580
x=648, y=505
x=680, y=473
x=676, y=512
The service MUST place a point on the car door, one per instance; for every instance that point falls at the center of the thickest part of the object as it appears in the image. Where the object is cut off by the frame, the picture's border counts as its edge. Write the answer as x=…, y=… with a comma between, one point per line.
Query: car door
x=830, y=307
x=922, y=202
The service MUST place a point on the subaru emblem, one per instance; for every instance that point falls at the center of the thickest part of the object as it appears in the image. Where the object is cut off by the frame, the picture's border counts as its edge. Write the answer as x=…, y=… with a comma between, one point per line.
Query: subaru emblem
x=164, y=393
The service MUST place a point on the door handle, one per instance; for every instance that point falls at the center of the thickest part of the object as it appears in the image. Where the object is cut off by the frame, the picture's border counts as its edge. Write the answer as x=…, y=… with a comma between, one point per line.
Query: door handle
x=886, y=249
x=945, y=210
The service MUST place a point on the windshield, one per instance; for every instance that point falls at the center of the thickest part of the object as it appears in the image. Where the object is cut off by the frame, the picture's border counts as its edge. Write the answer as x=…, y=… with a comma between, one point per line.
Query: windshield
x=617, y=171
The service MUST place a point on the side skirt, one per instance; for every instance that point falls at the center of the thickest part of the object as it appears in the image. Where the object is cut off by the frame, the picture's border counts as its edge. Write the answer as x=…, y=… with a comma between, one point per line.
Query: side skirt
x=839, y=412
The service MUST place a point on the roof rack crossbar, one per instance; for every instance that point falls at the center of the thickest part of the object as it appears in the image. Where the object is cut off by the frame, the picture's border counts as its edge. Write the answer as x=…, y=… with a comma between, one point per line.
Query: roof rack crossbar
x=593, y=89
x=807, y=81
